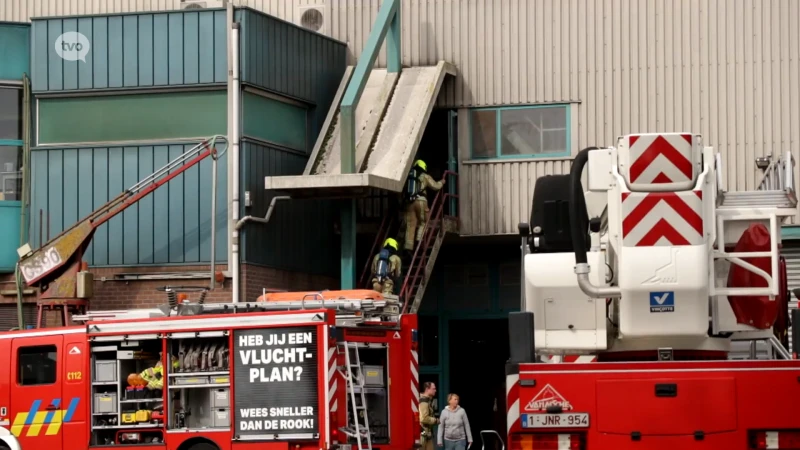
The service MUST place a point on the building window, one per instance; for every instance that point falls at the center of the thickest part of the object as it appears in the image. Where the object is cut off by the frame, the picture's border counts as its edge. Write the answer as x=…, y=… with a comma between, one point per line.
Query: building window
x=37, y=365
x=10, y=143
x=520, y=132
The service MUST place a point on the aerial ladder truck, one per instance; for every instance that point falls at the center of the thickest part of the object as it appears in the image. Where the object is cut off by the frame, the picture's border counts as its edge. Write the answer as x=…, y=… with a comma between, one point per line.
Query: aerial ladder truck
x=636, y=292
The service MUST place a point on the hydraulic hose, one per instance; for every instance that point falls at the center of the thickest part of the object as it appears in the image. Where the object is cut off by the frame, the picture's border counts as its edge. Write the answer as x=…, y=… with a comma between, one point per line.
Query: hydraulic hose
x=579, y=228
x=577, y=201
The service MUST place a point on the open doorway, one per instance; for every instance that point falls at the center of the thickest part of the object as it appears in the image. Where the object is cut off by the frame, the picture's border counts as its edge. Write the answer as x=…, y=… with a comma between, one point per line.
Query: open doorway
x=477, y=356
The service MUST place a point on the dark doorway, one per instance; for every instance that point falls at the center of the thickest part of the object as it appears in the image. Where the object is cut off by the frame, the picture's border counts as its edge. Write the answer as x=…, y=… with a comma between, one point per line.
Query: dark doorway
x=477, y=355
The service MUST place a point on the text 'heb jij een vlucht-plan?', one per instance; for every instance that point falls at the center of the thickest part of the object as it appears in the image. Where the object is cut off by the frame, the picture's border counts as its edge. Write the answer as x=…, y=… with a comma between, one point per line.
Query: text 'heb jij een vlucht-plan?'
x=276, y=367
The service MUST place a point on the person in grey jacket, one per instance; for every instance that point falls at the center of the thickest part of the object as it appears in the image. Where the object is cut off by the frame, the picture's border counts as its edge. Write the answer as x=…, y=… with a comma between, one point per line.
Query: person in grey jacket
x=454, y=432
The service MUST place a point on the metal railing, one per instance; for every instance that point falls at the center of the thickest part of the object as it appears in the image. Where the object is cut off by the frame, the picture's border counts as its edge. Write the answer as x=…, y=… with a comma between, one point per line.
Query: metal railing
x=779, y=175
x=433, y=226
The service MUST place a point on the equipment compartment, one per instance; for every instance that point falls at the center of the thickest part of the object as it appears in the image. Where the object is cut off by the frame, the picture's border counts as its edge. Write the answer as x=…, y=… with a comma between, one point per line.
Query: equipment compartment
x=199, y=387
x=127, y=391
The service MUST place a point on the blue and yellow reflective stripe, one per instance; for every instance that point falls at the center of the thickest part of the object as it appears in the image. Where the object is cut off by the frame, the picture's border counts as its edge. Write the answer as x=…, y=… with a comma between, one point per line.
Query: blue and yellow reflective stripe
x=19, y=423
x=42, y=417
x=35, y=419
x=60, y=417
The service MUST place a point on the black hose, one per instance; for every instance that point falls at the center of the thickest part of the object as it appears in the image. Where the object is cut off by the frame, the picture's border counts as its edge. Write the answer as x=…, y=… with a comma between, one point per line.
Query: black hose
x=577, y=201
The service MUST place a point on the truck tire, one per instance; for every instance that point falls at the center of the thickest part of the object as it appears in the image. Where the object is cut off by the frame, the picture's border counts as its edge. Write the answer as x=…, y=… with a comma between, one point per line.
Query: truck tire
x=203, y=446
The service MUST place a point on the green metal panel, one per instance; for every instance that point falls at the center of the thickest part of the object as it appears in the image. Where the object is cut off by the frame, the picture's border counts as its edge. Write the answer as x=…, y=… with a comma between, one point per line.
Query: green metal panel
x=131, y=50
x=9, y=222
x=15, y=48
x=171, y=225
x=274, y=121
x=151, y=117
x=790, y=232
x=300, y=233
x=284, y=58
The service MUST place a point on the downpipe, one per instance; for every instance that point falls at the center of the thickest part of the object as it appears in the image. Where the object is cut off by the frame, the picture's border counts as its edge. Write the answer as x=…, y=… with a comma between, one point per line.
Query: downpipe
x=235, y=264
x=579, y=244
x=265, y=219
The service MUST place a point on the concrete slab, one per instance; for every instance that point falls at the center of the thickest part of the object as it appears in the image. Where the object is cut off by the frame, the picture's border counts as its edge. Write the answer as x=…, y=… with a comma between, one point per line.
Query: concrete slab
x=328, y=161
x=390, y=121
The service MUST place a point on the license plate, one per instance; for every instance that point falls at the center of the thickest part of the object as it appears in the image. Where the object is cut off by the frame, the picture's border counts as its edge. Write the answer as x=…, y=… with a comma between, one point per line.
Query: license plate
x=563, y=420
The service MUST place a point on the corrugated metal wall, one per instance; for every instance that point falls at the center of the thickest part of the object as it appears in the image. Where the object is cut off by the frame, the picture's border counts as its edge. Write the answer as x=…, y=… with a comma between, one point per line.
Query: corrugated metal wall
x=14, y=50
x=281, y=57
x=728, y=69
x=8, y=316
x=791, y=251
x=135, y=50
x=171, y=225
x=300, y=233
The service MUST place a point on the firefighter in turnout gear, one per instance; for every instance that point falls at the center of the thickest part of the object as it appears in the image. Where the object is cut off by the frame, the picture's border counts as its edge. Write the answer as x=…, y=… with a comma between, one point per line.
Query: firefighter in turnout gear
x=154, y=376
x=386, y=267
x=417, y=203
x=427, y=415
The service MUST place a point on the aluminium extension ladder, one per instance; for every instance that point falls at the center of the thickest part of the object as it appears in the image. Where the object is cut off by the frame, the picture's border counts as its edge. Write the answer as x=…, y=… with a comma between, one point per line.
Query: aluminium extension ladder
x=355, y=429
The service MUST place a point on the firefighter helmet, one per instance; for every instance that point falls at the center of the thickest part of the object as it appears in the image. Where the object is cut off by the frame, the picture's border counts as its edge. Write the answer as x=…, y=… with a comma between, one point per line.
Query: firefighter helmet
x=390, y=243
x=421, y=164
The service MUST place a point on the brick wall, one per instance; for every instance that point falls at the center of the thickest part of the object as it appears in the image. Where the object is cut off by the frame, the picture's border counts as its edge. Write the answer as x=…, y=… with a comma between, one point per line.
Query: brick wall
x=113, y=293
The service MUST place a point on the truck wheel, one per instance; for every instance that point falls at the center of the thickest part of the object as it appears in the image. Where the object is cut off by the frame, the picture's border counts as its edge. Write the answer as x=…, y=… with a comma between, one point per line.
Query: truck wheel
x=203, y=446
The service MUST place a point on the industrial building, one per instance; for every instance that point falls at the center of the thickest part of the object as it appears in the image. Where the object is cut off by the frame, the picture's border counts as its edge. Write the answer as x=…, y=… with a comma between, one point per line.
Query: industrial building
x=497, y=92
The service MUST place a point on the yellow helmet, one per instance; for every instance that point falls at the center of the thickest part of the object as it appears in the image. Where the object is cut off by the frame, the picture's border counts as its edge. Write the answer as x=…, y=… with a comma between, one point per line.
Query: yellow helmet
x=421, y=164
x=390, y=243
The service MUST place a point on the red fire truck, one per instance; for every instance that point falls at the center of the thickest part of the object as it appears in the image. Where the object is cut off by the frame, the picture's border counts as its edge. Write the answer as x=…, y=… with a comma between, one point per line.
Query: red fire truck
x=645, y=298
x=310, y=370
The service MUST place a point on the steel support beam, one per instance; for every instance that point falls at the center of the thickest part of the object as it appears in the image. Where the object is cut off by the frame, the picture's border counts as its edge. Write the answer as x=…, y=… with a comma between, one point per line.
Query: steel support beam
x=387, y=22
x=348, y=227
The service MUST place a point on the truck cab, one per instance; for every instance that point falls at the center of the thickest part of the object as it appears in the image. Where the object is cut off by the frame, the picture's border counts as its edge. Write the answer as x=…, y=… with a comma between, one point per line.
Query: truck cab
x=42, y=392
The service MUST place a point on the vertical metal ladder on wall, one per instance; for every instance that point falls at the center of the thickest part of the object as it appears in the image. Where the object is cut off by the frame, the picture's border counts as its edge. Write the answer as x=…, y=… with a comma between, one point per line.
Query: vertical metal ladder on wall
x=354, y=428
x=417, y=273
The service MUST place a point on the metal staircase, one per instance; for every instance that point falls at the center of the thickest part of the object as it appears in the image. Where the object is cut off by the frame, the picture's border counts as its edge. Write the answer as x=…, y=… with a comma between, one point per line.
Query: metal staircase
x=417, y=272
x=776, y=190
x=355, y=385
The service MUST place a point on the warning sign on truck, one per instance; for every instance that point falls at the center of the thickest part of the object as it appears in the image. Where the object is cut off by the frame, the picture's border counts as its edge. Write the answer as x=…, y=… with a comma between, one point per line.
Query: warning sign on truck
x=276, y=390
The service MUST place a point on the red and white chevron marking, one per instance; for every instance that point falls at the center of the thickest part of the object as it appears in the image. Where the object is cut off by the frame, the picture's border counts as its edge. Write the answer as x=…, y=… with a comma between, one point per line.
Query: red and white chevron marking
x=512, y=401
x=660, y=158
x=414, y=381
x=572, y=359
x=333, y=382
x=415, y=388
x=662, y=218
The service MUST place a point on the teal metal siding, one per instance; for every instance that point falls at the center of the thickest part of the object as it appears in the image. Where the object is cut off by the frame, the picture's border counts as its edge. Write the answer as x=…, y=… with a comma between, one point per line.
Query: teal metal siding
x=15, y=50
x=14, y=62
x=133, y=50
x=9, y=223
x=171, y=225
x=300, y=233
x=284, y=58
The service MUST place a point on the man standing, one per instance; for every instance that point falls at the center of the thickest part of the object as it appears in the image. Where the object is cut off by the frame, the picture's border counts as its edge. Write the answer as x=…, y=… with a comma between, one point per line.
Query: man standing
x=417, y=204
x=386, y=268
x=427, y=415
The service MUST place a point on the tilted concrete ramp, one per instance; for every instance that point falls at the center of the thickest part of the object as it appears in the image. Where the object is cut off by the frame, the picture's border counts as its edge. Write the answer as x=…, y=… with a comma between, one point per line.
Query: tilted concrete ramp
x=390, y=120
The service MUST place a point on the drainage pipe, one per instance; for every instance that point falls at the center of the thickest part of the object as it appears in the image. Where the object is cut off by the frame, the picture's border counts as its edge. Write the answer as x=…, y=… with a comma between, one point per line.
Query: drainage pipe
x=237, y=92
x=266, y=218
